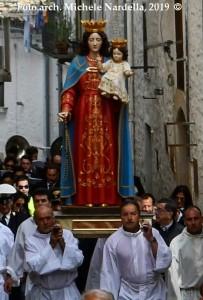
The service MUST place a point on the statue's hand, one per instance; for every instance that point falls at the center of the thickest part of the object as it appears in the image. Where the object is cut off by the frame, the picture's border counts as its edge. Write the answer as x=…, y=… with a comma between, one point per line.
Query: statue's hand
x=128, y=73
x=64, y=116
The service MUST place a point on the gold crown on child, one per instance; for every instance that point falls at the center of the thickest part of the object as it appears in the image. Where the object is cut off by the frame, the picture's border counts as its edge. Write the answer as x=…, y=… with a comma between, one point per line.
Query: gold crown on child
x=94, y=25
x=118, y=43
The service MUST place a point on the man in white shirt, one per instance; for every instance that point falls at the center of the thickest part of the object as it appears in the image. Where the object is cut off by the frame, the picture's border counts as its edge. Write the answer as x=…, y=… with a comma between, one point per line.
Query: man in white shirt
x=6, y=239
x=15, y=268
x=6, y=244
x=134, y=258
x=185, y=276
x=7, y=216
x=52, y=258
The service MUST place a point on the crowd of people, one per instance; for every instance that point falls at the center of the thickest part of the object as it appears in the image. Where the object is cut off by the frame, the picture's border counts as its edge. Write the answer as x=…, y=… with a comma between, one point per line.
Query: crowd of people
x=40, y=260
x=27, y=173
x=155, y=259
x=128, y=271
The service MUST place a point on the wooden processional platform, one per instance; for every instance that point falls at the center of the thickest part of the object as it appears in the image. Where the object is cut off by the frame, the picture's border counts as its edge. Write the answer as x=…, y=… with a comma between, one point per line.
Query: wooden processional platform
x=92, y=222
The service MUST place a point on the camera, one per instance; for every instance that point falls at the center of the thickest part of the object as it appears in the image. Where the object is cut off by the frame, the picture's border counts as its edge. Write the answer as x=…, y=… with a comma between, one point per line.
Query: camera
x=56, y=229
x=145, y=228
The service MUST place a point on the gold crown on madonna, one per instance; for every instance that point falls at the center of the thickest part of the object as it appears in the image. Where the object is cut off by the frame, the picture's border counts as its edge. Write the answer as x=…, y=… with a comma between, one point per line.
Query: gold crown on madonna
x=94, y=25
x=118, y=43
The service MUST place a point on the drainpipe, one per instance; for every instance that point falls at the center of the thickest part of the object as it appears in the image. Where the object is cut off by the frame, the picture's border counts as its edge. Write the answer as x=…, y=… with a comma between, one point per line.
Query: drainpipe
x=187, y=77
x=187, y=70
x=60, y=87
x=47, y=101
x=129, y=34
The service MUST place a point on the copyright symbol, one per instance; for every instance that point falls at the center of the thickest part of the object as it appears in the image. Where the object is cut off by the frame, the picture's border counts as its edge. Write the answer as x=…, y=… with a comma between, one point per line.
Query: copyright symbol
x=177, y=6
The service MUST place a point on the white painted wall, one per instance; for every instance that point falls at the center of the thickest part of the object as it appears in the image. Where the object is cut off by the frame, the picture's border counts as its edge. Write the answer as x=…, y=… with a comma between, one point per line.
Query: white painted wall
x=28, y=89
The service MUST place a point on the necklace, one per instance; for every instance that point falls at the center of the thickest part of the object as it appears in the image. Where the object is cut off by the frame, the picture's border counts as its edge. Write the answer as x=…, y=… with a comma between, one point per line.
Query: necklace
x=91, y=61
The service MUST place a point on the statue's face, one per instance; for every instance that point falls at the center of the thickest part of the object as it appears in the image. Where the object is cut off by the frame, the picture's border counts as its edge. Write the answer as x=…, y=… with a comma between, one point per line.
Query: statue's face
x=94, y=42
x=117, y=55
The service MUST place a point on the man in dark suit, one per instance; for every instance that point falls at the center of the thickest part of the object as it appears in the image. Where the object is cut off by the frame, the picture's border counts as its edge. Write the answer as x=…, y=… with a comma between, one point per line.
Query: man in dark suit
x=165, y=211
x=51, y=180
x=7, y=217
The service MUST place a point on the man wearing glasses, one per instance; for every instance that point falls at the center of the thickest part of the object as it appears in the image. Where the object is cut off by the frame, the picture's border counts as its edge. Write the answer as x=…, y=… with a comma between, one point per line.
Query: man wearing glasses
x=22, y=185
x=166, y=212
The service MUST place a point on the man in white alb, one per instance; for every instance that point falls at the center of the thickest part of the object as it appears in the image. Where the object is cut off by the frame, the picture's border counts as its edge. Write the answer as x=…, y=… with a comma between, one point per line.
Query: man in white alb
x=6, y=240
x=52, y=258
x=185, y=276
x=134, y=258
x=15, y=267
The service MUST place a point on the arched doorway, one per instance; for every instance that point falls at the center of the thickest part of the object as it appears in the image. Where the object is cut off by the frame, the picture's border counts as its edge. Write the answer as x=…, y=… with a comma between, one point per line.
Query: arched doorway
x=182, y=174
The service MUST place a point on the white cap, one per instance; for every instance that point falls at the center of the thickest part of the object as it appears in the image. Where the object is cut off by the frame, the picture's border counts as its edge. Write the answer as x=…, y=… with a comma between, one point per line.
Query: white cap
x=7, y=189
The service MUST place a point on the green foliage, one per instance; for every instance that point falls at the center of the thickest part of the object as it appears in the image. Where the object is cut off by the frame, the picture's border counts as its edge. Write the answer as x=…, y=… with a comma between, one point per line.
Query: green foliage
x=62, y=27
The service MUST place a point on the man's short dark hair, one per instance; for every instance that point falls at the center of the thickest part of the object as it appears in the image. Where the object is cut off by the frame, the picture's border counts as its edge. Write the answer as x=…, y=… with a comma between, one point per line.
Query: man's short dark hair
x=50, y=166
x=148, y=195
x=21, y=178
x=8, y=174
x=170, y=205
x=10, y=158
x=26, y=157
x=41, y=191
x=130, y=201
x=18, y=168
x=31, y=150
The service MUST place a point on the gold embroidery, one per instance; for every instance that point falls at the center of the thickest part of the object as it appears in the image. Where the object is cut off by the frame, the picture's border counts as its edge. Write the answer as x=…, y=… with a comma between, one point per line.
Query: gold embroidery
x=66, y=99
x=92, y=82
x=97, y=169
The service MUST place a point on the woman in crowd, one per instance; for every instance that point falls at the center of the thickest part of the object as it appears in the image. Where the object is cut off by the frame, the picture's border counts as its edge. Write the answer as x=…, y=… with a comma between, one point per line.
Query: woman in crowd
x=183, y=199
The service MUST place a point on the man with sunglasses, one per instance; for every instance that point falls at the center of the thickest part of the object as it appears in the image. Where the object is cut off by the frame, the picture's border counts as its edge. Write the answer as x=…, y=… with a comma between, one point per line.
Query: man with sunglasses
x=7, y=217
x=22, y=185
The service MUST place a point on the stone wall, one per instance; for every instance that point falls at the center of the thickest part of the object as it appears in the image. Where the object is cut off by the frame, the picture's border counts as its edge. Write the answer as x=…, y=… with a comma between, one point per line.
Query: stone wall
x=195, y=43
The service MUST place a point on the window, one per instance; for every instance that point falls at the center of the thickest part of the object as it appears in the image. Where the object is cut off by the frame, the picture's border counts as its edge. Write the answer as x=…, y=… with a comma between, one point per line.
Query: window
x=1, y=94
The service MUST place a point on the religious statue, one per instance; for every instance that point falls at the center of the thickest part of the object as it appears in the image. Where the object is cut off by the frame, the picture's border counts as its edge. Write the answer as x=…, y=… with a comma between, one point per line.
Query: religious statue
x=117, y=69
x=97, y=166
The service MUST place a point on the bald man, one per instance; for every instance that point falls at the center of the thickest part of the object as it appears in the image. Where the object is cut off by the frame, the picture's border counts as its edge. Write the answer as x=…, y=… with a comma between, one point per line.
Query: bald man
x=186, y=271
x=97, y=294
x=52, y=259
